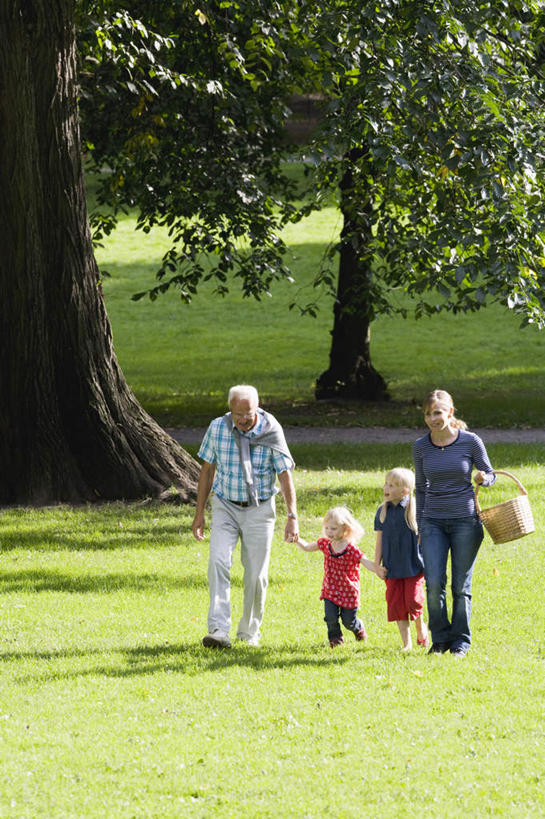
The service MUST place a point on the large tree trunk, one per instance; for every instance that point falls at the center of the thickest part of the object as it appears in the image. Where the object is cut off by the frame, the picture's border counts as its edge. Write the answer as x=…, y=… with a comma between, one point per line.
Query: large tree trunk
x=71, y=429
x=351, y=374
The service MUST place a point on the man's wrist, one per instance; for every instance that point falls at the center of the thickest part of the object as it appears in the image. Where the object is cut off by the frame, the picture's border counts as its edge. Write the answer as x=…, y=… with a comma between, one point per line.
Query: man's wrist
x=292, y=515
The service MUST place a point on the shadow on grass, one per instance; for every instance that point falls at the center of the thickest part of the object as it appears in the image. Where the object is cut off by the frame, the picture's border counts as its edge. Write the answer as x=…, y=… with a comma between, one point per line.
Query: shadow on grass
x=33, y=580
x=380, y=457
x=182, y=658
x=43, y=539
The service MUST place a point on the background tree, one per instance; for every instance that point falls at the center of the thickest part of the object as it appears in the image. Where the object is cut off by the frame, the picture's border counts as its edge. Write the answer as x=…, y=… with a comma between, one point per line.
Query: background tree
x=71, y=428
x=432, y=132
x=435, y=125
x=437, y=114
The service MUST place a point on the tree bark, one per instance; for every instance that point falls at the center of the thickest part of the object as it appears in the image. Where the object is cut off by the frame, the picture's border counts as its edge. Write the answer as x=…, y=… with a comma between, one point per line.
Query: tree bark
x=351, y=373
x=71, y=429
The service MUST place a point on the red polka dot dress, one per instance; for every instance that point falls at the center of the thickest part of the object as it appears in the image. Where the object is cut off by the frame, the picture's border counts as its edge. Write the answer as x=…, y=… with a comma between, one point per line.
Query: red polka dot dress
x=341, y=575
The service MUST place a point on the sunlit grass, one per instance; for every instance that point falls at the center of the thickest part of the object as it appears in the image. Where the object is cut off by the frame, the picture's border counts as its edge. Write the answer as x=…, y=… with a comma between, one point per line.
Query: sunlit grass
x=112, y=708
x=182, y=359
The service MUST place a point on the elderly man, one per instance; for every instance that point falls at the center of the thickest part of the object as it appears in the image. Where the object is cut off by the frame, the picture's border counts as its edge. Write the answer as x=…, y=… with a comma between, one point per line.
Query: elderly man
x=242, y=452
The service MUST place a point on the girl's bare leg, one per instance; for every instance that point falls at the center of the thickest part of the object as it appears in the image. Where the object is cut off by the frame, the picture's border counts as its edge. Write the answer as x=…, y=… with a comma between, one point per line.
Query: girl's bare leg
x=421, y=630
x=405, y=630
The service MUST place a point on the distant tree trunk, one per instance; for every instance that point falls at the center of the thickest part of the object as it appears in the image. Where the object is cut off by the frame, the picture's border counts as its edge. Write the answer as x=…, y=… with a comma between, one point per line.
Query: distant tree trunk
x=350, y=373
x=71, y=429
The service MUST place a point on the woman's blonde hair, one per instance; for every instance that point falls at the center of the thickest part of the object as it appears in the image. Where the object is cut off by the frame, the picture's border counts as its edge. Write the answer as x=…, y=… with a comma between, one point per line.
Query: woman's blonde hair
x=443, y=397
x=353, y=531
x=400, y=476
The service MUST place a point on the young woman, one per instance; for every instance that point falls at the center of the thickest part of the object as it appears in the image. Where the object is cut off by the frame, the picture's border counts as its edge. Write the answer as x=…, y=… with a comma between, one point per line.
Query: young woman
x=444, y=460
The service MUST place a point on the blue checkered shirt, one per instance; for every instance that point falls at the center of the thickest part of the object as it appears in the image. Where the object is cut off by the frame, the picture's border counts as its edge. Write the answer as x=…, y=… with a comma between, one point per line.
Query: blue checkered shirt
x=219, y=447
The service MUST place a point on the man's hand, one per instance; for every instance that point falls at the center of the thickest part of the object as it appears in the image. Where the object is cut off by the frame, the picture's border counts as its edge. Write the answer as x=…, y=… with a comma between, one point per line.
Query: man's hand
x=291, y=530
x=198, y=526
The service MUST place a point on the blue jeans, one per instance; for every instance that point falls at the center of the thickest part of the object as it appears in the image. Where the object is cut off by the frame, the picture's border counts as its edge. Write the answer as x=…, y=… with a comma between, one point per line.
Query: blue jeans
x=462, y=536
x=348, y=616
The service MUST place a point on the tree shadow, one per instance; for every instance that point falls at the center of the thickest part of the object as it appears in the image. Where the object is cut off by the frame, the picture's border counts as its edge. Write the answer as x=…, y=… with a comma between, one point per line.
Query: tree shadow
x=32, y=581
x=181, y=658
x=35, y=581
x=47, y=534
x=363, y=457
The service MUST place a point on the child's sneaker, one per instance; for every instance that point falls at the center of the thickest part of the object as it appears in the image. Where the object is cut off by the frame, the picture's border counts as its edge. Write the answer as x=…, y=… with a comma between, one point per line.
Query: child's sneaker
x=337, y=641
x=360, y=634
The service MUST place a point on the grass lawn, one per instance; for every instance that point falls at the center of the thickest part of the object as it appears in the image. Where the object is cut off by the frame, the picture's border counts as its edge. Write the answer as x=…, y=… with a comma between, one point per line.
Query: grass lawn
x=181, y=359
x=111, y=707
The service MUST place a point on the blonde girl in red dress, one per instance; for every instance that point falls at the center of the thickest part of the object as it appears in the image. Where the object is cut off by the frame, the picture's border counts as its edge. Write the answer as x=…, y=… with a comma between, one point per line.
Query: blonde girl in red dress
x=341, y=586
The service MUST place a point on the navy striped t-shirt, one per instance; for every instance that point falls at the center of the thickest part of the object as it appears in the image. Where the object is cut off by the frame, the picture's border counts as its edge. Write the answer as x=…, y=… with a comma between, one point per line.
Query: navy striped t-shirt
x=443, y=475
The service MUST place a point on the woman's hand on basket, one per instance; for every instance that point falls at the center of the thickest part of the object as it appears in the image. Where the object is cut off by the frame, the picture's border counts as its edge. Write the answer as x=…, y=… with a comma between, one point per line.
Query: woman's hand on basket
x=479, y=477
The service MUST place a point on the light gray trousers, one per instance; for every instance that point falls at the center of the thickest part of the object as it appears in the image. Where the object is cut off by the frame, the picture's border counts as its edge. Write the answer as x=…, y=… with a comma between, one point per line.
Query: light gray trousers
x=254, y=526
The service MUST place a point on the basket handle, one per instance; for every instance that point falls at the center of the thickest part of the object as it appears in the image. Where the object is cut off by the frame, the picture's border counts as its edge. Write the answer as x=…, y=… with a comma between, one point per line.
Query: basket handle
x=500, y=472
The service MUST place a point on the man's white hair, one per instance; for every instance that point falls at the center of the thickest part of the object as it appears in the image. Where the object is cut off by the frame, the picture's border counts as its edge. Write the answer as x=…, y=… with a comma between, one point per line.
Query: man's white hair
x=243, y=391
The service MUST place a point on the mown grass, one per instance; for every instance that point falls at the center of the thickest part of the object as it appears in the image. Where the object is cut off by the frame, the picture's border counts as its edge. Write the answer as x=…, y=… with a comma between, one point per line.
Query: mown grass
x=181, y=359
x=112, y=708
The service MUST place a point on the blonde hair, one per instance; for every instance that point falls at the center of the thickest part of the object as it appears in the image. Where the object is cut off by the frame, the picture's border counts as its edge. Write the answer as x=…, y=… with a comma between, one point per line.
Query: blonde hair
x=353, y=531
x=443, y=397
x=400, y=476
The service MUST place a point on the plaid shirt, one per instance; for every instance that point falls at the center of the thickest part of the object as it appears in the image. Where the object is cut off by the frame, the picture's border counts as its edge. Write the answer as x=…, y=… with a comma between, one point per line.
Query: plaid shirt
x=219, y=447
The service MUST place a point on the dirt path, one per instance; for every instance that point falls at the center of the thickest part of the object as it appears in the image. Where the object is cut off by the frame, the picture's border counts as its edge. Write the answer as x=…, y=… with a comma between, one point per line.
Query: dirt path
x=369, y=435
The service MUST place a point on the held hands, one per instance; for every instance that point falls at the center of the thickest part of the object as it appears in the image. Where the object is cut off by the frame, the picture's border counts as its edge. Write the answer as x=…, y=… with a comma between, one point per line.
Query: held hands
x=291, y=534
x=382, y=572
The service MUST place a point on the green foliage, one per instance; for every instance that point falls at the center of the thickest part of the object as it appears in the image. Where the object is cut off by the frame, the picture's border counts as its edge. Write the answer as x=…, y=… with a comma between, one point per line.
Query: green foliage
x=186, y=114
x=180, y=360
x=437, y=113
x=111, y=706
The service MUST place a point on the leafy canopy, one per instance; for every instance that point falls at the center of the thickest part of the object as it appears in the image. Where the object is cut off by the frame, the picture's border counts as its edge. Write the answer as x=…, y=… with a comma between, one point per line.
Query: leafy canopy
x=435, y=107
x=183, y=117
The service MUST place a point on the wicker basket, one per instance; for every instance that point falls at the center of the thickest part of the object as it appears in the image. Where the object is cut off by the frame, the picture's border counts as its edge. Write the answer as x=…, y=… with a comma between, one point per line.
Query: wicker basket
x=509, y=520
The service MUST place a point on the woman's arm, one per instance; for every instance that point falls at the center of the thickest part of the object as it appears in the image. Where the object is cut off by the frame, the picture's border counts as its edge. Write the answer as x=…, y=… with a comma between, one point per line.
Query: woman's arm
x=484, y=475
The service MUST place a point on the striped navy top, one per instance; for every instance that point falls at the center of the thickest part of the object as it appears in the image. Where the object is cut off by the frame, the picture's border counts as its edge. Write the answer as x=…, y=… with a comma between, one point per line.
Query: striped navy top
x=443, y=475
